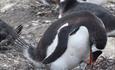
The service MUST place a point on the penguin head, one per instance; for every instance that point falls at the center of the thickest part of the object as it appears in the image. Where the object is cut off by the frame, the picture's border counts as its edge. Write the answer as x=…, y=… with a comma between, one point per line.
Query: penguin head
x=65, y=5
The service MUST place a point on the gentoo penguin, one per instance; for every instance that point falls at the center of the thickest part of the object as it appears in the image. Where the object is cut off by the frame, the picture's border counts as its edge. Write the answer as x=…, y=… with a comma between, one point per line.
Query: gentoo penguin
x=7, y=33
x=69, y=6
x=68, y=41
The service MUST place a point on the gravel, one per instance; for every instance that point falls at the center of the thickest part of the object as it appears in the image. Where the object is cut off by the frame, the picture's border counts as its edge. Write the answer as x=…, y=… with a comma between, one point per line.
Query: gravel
x=36, y=18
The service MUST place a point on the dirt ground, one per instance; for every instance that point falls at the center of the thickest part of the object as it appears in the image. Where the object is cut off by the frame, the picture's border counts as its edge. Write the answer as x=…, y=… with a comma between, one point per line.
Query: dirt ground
x=36, y=18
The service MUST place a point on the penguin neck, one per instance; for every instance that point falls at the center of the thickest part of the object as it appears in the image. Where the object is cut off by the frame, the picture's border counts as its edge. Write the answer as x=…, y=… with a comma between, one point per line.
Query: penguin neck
x=68, y=5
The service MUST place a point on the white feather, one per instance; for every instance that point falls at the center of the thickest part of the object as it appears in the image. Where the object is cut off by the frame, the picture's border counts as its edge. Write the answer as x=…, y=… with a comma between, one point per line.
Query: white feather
x=59, y=16
x=66, y=24
x=94, y=48
x=62, y=0
x=111, y=33
x=53, y=45
x=77, y=50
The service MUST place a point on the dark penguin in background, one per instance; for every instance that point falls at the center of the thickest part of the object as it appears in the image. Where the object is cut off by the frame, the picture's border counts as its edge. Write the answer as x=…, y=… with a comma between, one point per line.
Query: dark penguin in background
x=69, y=6
x=69, y=41
x=8, y=34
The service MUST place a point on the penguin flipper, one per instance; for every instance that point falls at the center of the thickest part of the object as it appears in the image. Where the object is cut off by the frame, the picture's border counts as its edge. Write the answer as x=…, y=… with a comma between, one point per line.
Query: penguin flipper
x=62, y=45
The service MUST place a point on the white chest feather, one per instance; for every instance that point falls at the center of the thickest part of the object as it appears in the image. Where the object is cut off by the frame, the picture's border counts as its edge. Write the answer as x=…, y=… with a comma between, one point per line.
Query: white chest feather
x=77, y=50
x=53, y=45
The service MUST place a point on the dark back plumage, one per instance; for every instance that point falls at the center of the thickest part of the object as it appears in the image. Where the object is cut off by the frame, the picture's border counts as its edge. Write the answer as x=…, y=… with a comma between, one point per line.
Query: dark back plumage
x=105, y=15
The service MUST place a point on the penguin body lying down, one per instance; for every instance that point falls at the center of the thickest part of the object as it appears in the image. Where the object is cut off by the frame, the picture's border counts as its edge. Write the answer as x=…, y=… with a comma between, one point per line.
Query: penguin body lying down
x=70, y=6
x=68, y=41
x=7, y=33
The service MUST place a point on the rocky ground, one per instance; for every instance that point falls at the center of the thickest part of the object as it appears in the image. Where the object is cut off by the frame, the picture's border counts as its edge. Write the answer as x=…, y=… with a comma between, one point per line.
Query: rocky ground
x=36, y=18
